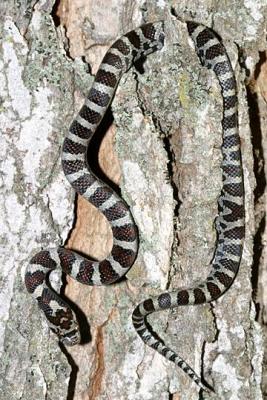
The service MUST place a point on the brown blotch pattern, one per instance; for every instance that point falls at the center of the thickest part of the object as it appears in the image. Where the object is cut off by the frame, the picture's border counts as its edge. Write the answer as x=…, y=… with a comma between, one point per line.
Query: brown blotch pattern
x=33, y=280
x=214, y=51
x=221, y=68
x=70, y=167
x=182, y=297
x=203, y=37
x=72, y=147
x=164, y=300
x=230, y=141
x=229, y=101
x=119, y=210
x=236, y=211
x=234, y=189
x=101, y=195
x=235, y=233
x=121, y=46
x=223, y=278
x=112, y=59
x=214, y=290
x=148, y=31
x=44, y=259
x=123, y=256
x=67, y=258
x=126, y=232
x=107, y=273
x=90, y=115
x=199, y=295
x=230, y=122
x=134, y=39
x=106, y=78
x=231, y=265
x=148, y=305
x=85, y=273
x=83, y=183
x=99, y=98
x=80, y=131
x=137, y=313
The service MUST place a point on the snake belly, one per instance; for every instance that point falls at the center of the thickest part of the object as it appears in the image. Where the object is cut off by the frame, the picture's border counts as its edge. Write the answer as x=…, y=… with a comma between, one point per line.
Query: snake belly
x=229, y=223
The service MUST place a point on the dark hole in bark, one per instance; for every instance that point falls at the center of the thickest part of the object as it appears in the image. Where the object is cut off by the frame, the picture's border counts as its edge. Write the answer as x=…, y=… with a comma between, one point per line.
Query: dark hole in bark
x=54, y=13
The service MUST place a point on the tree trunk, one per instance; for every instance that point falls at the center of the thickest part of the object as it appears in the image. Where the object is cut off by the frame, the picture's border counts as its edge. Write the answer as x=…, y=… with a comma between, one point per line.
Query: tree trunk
x=165, y=120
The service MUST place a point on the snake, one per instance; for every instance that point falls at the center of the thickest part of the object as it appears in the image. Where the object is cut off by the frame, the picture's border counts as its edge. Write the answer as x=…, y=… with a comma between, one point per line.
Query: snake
x=229, y=222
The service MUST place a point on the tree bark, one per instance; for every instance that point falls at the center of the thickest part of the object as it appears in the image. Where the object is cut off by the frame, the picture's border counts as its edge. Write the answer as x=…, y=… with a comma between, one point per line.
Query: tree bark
x=165, y=120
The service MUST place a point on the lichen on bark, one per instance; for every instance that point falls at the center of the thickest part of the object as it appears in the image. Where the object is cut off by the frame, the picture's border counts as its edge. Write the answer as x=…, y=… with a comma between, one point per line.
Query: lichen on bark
x=166, y=121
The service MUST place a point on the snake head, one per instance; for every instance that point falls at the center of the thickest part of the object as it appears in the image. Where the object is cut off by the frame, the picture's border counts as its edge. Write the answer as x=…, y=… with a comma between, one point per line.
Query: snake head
x=71, y=337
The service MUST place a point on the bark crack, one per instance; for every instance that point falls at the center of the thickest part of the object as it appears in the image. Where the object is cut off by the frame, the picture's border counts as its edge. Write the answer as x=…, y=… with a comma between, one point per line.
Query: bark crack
x=165, y=138
x=97, y=376
x=259, y=172
x=55, y=13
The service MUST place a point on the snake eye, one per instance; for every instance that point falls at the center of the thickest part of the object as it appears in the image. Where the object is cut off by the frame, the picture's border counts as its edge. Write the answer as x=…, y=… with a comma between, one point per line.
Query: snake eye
x=71, y=338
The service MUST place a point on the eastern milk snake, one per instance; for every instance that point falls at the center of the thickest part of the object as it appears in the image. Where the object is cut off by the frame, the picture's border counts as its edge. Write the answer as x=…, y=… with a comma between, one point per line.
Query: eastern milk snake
x=229, y=223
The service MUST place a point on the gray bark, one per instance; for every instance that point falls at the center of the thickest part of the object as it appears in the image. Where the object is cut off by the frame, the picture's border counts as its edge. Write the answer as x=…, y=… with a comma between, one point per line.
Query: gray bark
x=167, y=121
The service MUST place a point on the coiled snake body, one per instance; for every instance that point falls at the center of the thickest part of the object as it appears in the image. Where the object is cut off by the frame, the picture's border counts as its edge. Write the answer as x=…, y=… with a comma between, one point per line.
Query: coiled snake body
x=229, y=223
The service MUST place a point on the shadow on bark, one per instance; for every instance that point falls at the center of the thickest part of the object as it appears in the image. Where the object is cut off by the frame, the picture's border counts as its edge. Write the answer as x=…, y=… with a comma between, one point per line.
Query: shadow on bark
x=258, y=156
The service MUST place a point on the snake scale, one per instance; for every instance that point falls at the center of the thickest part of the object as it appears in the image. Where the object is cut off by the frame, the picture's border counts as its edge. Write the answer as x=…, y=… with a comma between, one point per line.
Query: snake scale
x=229, y=222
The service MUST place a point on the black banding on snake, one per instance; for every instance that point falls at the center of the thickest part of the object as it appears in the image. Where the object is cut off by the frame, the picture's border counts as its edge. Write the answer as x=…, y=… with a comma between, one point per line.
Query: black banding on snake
x=229, y=223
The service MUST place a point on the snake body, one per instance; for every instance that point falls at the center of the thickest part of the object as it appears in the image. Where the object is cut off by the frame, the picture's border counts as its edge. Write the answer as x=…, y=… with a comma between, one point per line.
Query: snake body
x=229, y=223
